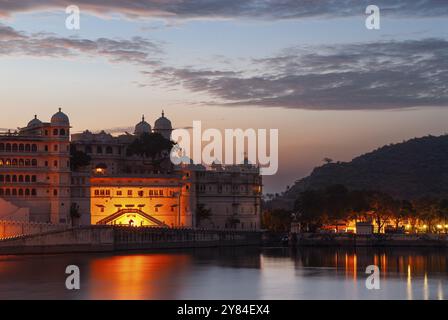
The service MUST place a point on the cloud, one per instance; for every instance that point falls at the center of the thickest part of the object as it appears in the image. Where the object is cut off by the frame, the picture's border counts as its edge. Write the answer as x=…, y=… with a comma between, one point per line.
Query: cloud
x=136, y=50
x=258, y=9
x=381, y=75
x=8, y=33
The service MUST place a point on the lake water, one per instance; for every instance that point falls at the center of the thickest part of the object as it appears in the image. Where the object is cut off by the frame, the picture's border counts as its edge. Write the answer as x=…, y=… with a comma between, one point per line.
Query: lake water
x=230, y=273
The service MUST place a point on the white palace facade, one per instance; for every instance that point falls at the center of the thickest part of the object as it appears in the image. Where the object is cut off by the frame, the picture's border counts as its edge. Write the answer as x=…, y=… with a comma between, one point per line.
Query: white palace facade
x=41, y=181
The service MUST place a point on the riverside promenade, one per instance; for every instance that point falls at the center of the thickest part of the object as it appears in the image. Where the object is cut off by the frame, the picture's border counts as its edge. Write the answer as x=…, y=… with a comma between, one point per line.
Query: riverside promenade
x=113, y=238
x=374, y=240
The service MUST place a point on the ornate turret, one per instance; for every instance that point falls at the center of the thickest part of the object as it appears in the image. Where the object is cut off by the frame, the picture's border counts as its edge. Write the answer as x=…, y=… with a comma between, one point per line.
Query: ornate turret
x=142, y=127
x=163, y=126
x=34, y=123
x=60, y=119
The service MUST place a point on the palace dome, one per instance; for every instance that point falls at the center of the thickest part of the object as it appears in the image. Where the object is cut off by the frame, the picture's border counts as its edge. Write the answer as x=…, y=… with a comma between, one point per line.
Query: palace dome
x=35, y=122
x=142, y=127
x=162, y=123
x=60, y=118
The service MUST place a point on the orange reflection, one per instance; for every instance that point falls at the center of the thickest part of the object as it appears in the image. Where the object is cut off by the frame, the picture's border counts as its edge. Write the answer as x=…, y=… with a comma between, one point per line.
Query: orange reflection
x=136, y=277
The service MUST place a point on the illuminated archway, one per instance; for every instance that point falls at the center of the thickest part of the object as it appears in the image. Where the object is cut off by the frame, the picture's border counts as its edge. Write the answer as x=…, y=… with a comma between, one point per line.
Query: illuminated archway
x=132, y=218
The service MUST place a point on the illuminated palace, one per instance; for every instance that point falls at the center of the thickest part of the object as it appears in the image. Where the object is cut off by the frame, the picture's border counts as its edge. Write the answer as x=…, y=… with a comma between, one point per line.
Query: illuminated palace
x=46, y=175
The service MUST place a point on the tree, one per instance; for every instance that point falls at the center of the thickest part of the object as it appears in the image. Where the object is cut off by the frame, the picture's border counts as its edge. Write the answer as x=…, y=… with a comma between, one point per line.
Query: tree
x=74, y=212
x=78, y=159
x=443, y=211
x=336, y=202
x=327, y=160
x=202, y=214
x=359, y=205
x=407, y=211
x=381, y=207
x=397, y=214
x=428, y=211
x=277, y=220
x=150, y=145
x=311, y=206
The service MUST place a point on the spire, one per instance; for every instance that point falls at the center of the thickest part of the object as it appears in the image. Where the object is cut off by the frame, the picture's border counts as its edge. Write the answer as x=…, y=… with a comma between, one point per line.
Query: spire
x=35, y=116
x=163, y=113
x=60, y=109
x=143, y=118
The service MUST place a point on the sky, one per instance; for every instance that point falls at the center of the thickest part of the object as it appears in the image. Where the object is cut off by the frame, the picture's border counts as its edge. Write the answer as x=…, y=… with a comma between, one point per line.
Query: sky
x=311, y=69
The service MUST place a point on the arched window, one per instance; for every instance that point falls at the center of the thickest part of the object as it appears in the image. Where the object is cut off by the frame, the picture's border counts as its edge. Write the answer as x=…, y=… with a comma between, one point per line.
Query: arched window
x=14, y=178
x=2, y=192
x=33, y=178
x=20, y=178
x=109, y=150
x=2, y=147
x=8, y=147
x=33, y=192
x=20, y=192
x=27, y=178
x=21, y=162
x=27, y=148
x=34, y=163
x=2, y=178
x=14, y=192
x=7, y=192
x=8, y=178
x=15, y=148
x=34, y=148
x=55, y=132
x=27, y=162
x=21, y=147
x=99, y=149
x=14, y=162
x=62, y=132
x=1, y=163
x=27, y=192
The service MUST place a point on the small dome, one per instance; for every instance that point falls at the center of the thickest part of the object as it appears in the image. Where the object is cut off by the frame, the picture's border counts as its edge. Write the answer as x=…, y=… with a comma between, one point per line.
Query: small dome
x=163, y=123
x=142, y=127
x=35, y=122
x=60, y=118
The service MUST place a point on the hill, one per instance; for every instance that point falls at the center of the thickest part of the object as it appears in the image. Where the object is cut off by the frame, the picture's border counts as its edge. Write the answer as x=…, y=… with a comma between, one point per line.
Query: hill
x=412, y=169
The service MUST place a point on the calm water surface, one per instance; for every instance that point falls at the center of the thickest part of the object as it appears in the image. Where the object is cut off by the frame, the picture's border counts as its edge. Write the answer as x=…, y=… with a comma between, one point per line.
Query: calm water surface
x=231, y=273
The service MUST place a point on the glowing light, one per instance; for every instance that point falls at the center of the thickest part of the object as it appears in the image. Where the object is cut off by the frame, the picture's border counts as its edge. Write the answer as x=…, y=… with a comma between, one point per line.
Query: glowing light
x=439, y=226
x=99, y=170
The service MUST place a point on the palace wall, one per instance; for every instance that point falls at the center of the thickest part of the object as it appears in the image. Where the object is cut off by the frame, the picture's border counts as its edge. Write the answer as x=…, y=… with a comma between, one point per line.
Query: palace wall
x=13, y=229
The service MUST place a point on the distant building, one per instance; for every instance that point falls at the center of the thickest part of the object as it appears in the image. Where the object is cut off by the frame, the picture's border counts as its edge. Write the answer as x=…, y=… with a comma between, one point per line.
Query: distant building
x=233, y=193
x=364, y=228
x=38, y=183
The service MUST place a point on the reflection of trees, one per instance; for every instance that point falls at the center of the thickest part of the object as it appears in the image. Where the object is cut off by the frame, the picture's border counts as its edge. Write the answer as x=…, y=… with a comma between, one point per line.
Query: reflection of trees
x=390, y=260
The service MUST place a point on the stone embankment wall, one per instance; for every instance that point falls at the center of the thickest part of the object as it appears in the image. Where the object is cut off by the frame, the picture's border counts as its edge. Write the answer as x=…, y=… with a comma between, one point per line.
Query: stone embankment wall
x=13, y=229
x=108, y=238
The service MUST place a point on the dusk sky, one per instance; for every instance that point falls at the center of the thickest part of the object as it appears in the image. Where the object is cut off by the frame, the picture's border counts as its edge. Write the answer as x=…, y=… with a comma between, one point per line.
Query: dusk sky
x=311, y=69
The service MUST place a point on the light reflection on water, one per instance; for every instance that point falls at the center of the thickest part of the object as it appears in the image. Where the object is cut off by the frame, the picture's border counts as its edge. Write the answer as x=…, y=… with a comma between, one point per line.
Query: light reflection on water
x=230, y=273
